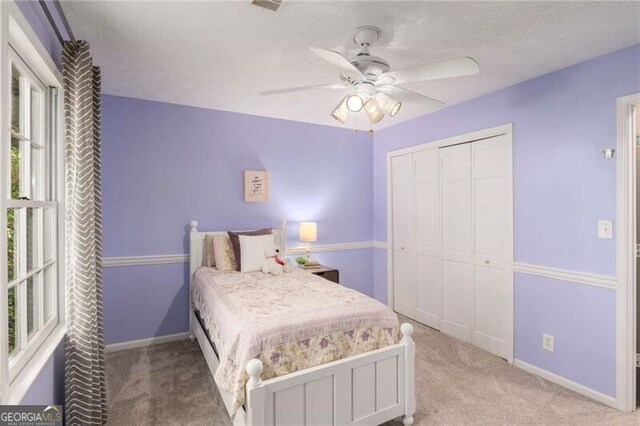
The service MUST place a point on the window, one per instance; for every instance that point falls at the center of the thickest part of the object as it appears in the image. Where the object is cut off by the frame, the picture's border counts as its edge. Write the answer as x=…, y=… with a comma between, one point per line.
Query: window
x=31, y=253
x=31, y=217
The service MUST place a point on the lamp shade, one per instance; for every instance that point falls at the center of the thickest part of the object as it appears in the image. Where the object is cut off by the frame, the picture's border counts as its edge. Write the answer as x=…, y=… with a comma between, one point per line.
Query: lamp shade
x=354, y=103
x=308, y=232
x=341, y=112
x=375, y=115
x=388, y=105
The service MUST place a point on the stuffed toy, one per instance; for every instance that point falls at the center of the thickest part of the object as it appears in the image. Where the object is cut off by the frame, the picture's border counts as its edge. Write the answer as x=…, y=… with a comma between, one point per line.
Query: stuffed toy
x=274, y=264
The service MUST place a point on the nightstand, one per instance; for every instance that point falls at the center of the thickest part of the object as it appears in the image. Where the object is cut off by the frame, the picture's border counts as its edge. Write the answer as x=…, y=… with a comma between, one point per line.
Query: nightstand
x=326, y=272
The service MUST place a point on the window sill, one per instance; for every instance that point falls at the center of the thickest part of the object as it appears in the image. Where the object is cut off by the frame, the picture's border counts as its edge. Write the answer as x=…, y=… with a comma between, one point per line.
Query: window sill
x=22, y=383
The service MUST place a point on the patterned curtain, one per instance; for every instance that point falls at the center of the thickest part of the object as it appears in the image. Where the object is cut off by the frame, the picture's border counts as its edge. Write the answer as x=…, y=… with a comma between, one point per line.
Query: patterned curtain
x=85, y=391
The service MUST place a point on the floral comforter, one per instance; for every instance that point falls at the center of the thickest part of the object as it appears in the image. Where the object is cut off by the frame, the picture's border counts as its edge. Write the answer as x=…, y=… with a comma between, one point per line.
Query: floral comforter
x=290, y=322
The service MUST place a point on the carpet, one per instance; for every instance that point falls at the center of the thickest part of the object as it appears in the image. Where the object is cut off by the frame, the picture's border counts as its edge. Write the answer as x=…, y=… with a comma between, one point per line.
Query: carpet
x=456, y=383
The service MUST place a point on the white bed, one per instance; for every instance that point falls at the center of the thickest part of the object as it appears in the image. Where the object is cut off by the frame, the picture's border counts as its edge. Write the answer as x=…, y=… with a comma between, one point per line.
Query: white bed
x=367, y=388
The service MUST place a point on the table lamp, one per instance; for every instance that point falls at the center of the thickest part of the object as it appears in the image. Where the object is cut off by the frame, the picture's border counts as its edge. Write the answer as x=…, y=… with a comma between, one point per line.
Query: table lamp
x=308, y=234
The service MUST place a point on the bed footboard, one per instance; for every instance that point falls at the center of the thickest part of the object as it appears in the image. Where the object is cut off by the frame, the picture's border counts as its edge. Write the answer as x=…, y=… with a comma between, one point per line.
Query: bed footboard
x=366, y=389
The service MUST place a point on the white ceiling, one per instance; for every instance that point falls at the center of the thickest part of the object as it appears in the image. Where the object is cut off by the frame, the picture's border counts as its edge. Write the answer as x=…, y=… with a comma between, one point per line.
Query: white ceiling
x=221, y=54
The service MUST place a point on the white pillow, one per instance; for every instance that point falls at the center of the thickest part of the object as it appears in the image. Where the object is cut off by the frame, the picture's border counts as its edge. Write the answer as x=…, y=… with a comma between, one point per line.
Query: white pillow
x=252, y=251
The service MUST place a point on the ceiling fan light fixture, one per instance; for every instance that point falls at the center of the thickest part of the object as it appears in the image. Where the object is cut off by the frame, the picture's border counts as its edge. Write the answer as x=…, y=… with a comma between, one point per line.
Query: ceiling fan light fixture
x=375, y=114
x=341, y=112
x=354, y=103
x=388, y=105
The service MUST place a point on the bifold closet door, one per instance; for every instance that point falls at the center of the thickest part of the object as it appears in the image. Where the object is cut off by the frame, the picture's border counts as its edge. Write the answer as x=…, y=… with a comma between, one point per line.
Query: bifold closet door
x=404, y=258
x=457, y=271
x=492, y=241
x=428, y=301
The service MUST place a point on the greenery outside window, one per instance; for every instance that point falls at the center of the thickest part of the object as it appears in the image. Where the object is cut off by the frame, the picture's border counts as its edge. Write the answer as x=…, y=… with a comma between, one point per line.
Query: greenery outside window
x=31, y=218
x=32, y=202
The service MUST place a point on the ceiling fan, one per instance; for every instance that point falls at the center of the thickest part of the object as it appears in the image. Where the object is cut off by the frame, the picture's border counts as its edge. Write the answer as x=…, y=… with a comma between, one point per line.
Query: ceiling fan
x=374, y=87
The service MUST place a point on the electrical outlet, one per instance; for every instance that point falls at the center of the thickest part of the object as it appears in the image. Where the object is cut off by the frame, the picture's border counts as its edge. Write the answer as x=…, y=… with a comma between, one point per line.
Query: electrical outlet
x=547, y=342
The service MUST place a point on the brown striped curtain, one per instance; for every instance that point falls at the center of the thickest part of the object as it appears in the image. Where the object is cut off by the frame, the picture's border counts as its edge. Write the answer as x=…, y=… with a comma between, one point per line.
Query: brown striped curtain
x=85, y=391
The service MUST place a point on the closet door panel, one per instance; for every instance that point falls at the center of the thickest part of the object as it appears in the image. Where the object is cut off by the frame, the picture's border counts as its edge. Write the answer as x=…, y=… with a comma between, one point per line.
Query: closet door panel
x=455, y=162
x=456, y=264
x=427, y=231
x=491, y=217
x=425, y=165
x=428, y=290
x=427, y=200
x=404, y=283
x=491, y=309
x=402, y=169
x=427, y=234
x=456, y=219
x=456, y=299
x=493, y=246
x=492, y=199
x=455, y=187
x=403, y=223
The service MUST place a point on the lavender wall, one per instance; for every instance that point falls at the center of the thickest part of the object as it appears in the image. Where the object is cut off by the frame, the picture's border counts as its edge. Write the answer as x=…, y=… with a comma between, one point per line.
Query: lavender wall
x=166, y=164
x=562, y=186
x=48, y=388
x=32, y=10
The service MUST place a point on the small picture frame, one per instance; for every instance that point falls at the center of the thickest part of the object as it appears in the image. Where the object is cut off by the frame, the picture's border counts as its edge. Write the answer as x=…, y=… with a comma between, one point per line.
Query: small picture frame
x=256, y=186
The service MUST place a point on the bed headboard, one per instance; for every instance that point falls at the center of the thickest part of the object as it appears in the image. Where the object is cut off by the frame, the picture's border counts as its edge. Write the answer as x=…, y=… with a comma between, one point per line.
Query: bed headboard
x=196, y=245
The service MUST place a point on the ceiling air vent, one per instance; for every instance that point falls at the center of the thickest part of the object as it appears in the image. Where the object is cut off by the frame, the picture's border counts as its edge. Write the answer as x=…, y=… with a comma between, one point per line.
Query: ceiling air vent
x=272, y=5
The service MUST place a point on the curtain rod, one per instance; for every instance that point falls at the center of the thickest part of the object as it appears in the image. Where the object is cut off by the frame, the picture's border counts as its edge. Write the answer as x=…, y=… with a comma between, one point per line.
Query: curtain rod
x=52, y=22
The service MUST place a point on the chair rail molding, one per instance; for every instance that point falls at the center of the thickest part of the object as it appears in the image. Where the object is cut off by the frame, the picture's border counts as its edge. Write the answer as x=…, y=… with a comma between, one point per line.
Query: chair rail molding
x=566, y=275
x=144, y=260
x=382, y=245
x=162, y=259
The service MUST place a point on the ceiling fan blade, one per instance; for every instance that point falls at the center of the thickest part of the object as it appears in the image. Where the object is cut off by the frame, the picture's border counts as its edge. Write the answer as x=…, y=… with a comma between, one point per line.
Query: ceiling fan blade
x=445, y=69
x=335, y=58
x=424, y=102
x=304, y=88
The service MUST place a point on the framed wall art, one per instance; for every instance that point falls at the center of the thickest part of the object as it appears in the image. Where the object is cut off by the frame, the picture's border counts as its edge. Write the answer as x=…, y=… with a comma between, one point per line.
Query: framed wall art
x=256, y=186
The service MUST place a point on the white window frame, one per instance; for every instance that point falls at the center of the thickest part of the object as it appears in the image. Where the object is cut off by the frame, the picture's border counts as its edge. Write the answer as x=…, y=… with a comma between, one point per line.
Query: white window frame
x=20, y=45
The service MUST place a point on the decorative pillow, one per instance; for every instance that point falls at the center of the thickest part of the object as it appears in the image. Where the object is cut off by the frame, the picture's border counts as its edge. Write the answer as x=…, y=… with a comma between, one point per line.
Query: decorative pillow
x=253, y=251
x=223, y=253
x=235, y=242
x=208, y=258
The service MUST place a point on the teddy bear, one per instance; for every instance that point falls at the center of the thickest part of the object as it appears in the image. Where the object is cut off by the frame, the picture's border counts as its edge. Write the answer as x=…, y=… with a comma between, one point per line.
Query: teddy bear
x=273, y=264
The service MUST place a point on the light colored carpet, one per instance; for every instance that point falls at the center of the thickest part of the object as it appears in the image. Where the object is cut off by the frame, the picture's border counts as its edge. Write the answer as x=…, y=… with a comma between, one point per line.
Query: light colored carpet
x=456, y=383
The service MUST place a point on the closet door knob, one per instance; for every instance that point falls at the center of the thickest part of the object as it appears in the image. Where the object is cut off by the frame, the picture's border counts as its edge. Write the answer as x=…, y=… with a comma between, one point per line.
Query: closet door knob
x=487, y=261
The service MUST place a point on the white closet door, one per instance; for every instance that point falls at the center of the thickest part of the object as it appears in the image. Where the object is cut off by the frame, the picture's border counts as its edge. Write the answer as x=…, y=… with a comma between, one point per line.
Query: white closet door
x=455, y=190
x=492, y=239
x=428, y=300
x=404, y=259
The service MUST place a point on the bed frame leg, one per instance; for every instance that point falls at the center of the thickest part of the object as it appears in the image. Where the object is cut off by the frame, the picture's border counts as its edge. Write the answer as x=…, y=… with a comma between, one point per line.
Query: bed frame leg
x=409, y=365
x=255, y=393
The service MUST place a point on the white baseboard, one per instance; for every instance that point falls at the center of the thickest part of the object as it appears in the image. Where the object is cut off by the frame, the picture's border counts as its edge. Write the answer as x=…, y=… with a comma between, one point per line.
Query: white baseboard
x=569, y=384
x=114, y=347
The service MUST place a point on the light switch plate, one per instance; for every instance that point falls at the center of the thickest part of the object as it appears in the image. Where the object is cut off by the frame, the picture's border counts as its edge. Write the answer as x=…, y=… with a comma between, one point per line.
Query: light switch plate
x=547, y=342
x=605, y=229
